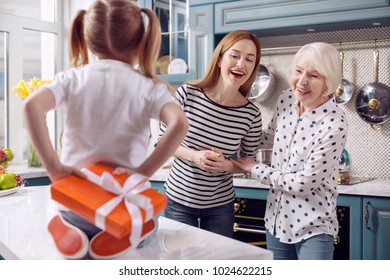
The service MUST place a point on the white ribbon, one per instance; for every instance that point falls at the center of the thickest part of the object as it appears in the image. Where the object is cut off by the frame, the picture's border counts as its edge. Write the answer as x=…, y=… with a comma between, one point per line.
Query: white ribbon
x=130, y=193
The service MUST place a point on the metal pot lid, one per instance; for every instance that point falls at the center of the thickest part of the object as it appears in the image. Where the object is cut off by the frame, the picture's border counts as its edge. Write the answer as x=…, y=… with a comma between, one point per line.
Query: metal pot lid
x=262, y=85
x=373, y=103
x=344, y=92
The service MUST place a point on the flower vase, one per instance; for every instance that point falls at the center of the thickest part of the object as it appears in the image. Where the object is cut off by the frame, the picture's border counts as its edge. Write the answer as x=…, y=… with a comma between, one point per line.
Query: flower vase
x=33, y=158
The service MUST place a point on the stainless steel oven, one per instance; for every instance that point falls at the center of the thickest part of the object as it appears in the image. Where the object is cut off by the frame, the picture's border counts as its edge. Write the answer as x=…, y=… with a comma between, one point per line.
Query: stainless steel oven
x=249, y=226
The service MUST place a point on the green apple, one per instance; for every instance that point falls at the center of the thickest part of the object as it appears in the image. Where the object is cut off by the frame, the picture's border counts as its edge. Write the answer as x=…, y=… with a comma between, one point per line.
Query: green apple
x=9, y=154
x=7, y=181
x=4, y=164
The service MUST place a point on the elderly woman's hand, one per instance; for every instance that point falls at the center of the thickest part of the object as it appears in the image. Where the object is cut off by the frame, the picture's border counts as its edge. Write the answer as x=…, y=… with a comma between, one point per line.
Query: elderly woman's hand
x=244, y=163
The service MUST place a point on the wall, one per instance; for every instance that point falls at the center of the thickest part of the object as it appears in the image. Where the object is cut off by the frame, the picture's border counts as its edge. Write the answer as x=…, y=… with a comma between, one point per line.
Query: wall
x=369, y=150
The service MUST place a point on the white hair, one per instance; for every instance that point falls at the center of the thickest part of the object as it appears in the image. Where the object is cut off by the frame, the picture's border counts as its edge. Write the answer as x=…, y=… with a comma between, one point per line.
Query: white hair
x=325, y=59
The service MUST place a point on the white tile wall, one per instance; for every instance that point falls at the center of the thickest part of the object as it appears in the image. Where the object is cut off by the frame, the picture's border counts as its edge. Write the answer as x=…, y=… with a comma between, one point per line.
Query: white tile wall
x=369, y=150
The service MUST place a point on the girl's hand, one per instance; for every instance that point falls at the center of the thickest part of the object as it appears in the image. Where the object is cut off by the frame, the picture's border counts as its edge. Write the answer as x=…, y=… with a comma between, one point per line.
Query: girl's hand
x=244, y=163
x=63, y=171
x=124, y=170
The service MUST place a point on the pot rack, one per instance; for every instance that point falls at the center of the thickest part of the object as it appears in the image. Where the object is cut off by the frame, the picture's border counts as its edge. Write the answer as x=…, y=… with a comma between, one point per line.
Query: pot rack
x=334, y=44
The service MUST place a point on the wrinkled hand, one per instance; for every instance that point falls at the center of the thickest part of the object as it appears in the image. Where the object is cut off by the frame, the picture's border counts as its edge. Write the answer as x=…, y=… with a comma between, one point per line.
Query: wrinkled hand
x=244, y=163
x=209, y=160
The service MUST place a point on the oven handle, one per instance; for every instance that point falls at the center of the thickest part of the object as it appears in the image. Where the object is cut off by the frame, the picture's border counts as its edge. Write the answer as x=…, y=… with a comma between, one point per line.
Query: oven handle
x=237, y=227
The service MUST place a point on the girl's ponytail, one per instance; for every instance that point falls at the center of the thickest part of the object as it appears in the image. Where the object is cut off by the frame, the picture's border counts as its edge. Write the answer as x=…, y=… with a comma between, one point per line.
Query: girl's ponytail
x=77, y=48
x=150, y=46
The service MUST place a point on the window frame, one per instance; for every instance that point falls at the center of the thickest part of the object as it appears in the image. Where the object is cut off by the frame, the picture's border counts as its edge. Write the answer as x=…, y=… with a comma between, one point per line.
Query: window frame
x=14, y=26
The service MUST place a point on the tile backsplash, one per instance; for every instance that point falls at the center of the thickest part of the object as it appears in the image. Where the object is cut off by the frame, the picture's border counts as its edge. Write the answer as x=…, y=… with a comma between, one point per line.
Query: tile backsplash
x=369, y=150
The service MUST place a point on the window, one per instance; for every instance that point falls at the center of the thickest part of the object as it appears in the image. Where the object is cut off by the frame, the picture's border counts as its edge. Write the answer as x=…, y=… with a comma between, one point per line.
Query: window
x=173, y=15
x=30, y=46
x=34, y=9
x=2, y=88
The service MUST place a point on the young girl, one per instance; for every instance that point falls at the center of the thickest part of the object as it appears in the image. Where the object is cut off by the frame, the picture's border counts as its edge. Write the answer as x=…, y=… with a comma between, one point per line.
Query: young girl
x=109, y=105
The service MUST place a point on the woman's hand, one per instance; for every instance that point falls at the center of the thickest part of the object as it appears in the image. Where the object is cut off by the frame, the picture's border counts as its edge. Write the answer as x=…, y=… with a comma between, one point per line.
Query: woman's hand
x=209, y=160
x=244, y=163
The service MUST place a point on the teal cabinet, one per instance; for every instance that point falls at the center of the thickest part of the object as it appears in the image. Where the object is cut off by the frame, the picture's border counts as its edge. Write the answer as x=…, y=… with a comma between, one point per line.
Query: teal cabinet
x=201, y=44
x=40, y=181
x=364, y=222
x=278, y=14
x=376, y=228
x=158, y=186
x=200, y=39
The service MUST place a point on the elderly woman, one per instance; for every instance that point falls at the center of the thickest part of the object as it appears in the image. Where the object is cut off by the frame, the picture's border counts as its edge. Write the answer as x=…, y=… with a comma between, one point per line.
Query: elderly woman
x=308, y=131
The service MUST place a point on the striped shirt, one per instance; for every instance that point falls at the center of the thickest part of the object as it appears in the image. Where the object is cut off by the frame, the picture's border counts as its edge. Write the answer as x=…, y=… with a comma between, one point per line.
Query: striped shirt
x=232, y=130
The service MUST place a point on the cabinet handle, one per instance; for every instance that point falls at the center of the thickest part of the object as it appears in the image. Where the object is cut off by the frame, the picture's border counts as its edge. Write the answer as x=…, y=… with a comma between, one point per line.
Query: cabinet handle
x=367, y=216
x=238, y=228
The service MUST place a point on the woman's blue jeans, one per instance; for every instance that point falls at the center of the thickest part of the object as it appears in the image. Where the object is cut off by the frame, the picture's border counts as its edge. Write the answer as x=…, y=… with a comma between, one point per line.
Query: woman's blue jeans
x=218, y=219
x=318, y=247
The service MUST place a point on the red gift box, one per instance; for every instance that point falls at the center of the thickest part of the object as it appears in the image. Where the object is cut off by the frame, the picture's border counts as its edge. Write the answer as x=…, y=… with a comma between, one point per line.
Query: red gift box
x=89, y=198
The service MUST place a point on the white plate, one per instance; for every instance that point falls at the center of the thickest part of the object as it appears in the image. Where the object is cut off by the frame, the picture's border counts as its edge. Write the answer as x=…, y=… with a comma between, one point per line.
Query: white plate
x=177, y=66
x=9, y=191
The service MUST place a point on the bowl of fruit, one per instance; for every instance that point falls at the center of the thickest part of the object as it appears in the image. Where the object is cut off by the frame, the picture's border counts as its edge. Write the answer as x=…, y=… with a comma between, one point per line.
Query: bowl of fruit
x=9, y=182
x=6, y=156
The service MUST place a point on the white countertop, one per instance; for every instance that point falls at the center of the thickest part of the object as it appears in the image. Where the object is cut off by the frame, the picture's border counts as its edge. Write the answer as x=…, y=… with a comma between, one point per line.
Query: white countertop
x=24, y=216
x=26, y=172
x=376, y=187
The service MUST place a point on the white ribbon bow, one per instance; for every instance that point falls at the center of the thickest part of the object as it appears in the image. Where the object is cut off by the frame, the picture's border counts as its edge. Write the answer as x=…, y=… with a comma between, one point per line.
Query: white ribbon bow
x=130, y=193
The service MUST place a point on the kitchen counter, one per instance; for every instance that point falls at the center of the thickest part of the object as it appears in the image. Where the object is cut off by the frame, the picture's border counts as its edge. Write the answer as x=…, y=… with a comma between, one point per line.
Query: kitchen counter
x=27, y=172
x=24, y=216
x=375, y=187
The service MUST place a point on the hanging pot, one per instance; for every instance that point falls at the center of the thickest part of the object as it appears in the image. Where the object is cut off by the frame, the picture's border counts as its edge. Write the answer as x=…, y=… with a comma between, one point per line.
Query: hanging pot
x=373, y=100
x=345, y=90
x=263, y=86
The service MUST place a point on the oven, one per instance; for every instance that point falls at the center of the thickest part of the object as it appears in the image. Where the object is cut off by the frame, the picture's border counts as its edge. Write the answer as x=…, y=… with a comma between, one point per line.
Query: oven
x=249, y=226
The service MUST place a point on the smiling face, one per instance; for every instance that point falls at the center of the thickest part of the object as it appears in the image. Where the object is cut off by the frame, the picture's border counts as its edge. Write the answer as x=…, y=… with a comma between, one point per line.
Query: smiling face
x=308, y=85
x=238, y=63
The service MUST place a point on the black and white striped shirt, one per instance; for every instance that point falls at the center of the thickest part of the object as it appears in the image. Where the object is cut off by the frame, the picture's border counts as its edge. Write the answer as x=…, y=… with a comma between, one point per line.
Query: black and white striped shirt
x=229, y=129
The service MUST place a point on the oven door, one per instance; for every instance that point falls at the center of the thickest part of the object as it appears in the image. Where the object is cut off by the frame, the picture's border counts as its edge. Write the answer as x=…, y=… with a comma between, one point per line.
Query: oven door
x=249, y=221
x=249, y=226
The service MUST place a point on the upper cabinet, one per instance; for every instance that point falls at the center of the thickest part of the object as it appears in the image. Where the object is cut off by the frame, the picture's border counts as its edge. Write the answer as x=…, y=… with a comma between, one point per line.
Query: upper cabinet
x=173, y=15
x=187, y=42
x=189, y=26
x=174, y=63
x=278, y=14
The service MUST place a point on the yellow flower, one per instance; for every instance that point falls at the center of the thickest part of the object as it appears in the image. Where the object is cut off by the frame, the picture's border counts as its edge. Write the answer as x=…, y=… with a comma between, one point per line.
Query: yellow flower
x=24, y=89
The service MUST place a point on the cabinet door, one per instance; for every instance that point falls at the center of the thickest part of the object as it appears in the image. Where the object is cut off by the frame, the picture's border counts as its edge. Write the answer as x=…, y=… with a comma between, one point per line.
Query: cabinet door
x=376, y=228
x=41, y=181
x=201, y=38
x=158, y=186
x=275, y=14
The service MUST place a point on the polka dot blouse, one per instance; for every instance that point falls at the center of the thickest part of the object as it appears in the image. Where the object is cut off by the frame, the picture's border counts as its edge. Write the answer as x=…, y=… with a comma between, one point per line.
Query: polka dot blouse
x=303, y=174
